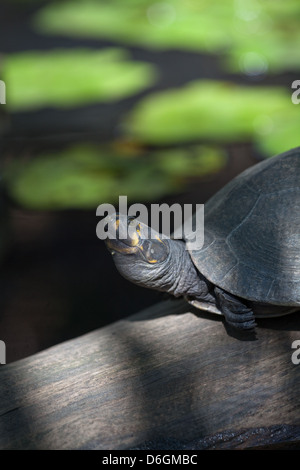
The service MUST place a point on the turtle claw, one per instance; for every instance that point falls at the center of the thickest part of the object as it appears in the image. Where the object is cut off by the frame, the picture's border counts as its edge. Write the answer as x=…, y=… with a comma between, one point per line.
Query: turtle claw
x=242, y=325
x=237, y=313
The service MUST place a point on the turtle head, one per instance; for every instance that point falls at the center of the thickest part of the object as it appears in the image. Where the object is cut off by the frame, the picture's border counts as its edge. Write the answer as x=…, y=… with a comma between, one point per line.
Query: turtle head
x=152, y=260
x=140, y=253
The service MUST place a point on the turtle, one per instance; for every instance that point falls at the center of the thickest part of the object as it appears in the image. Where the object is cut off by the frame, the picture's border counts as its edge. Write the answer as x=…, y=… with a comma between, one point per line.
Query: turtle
x=249, y=264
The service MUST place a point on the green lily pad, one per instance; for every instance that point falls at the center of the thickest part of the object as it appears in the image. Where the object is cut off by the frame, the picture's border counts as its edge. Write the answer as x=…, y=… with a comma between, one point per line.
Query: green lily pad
x=56, y=182
x=68, y=78
x=85, y=176
x=209, y=111
x=284, y=136
x=235, y=28
x=152, y=24
x=199, y=160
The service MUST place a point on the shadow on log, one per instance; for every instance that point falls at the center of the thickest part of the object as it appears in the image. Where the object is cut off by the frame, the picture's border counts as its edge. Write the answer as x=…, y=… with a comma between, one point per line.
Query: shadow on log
x=166, y=378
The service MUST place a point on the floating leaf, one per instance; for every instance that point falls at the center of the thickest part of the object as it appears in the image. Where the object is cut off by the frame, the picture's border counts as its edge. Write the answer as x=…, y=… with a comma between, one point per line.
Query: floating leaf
x=56, y=182
x=207, y=110
x=67, y=78
x=85, y=176
x=198, y=161
x=234, y=28
x=284, y=136
x=156, y=24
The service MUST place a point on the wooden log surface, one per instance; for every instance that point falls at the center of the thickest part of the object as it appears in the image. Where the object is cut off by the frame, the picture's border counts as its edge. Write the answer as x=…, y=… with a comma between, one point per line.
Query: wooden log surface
x=168, y=377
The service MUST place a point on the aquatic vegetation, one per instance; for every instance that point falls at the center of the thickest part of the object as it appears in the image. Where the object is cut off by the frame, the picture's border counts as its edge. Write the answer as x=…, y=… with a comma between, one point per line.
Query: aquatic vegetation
x=73, y=77
x=217, y=111
x=84, y=176
x=250, y=36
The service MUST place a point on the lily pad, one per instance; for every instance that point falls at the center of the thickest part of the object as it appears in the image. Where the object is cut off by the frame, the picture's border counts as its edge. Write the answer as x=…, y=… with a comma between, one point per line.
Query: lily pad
x=234, y=28
x=68, y=78
x=208, y=111
x=85, y=176
x=284, y=136
x=195, y=162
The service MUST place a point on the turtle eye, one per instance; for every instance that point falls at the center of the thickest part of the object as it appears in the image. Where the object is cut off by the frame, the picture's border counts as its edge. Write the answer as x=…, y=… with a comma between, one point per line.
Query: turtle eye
x=154, y=251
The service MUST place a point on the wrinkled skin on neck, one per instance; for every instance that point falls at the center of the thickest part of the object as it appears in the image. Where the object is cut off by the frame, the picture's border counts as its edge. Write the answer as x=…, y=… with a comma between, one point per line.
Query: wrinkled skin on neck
x=176, y=275
x=158, y=263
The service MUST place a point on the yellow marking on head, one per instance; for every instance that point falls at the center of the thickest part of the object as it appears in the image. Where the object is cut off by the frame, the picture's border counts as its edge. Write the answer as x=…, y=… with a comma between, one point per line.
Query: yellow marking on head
x=157, y=238
x=152, y=261
x=135, y=239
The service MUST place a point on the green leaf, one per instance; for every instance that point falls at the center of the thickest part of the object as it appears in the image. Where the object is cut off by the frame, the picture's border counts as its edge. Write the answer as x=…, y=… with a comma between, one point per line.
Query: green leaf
x=284, y=136
x=84, y=176
x=232, y=28
x=196, y=161
x=206, y=110
x=57, y=182
x=68, y=78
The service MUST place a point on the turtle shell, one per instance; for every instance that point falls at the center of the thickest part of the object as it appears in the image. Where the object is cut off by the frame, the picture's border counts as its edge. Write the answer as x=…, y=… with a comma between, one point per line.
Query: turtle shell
x=252, y=233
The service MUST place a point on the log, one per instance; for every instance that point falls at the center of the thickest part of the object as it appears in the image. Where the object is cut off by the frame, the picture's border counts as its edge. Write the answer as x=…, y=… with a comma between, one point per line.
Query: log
x=167, y=377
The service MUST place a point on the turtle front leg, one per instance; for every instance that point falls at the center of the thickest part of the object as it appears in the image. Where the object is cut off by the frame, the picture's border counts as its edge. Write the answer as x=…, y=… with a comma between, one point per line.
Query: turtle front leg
x=236, y=312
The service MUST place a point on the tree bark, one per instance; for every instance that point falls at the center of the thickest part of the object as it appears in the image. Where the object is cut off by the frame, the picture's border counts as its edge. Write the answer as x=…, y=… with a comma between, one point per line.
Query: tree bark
x=168, y=377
